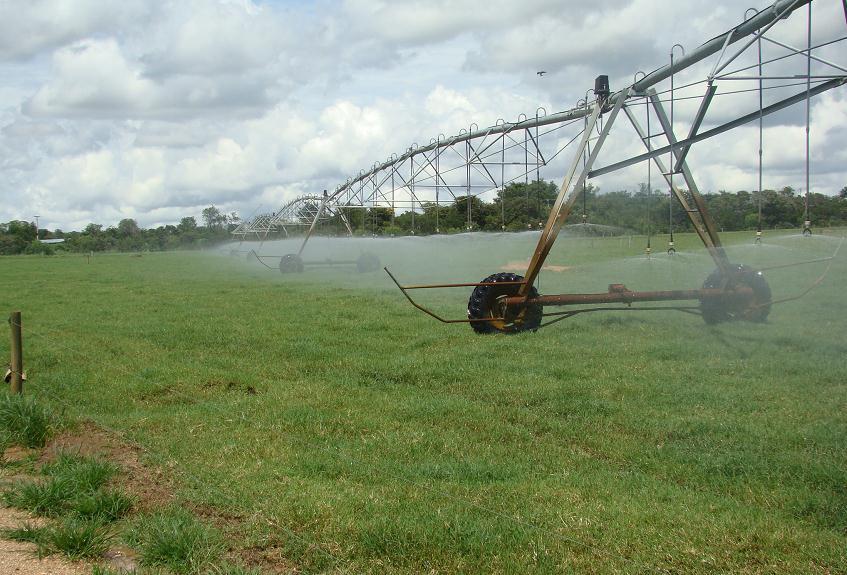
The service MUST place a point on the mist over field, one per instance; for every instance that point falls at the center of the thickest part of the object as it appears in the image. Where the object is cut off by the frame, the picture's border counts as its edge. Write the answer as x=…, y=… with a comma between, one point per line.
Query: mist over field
x=576, y=264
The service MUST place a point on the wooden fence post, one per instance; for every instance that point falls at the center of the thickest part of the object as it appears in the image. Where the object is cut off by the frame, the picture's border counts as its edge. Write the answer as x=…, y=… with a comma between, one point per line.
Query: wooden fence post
x=17, y=365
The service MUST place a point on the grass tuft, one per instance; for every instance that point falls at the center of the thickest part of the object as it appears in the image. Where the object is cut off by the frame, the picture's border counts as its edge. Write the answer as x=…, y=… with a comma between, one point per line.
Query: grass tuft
x=47, y=499
x=79, y=538
x=75, y=538
x=24, y=422
x=175, y=540
x=107, y=506
x=72, y=485
x=86, y=474
x=26, y=533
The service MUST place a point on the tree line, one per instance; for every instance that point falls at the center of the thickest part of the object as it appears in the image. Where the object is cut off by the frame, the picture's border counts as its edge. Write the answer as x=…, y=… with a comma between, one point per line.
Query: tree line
x=517, y=207
x=19, y=237
x=523, y=206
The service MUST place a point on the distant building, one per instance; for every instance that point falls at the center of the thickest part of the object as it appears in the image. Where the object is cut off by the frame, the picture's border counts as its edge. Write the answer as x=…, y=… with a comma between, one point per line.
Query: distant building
x=53, y=241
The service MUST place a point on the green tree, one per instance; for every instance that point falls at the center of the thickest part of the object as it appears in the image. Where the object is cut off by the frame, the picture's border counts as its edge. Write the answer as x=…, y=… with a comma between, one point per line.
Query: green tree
x=93, y=229
x=213, y=217
x=128, y=228
x=521, y=205
x=187, y=224
x=16, y=236
x=22, y=230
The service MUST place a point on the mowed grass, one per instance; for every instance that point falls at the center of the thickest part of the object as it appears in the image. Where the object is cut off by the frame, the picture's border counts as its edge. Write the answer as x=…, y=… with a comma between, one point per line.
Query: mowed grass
x=353, y=434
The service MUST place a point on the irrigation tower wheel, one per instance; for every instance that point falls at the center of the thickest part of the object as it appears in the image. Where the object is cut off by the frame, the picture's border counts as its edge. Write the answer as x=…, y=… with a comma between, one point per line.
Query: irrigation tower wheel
x=757, y=308
x=290, y=264
x=367, y=262
x=486, y=302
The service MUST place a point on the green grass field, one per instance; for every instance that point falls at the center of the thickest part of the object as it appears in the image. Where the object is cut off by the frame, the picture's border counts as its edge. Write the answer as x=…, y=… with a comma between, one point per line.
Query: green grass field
x=352, y=434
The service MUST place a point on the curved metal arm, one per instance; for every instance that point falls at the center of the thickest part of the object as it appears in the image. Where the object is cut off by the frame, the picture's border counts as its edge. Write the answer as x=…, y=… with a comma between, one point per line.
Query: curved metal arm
x=432, y=313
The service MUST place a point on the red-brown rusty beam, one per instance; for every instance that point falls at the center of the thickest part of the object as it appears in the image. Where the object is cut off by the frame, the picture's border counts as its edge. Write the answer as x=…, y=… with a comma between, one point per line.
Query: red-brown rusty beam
x=619, y=294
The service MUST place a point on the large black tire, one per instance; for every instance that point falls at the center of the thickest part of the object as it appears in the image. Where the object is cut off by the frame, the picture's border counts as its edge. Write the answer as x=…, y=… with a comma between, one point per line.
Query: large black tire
x=728, y=308
x=484, y=304
x=367, y=262
x=290, y=264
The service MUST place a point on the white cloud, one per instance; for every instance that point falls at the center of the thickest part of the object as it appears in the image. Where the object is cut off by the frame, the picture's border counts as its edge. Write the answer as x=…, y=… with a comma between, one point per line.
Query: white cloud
x=154, y=109
x=28, y=27
x=208, y=38
x=92, y=76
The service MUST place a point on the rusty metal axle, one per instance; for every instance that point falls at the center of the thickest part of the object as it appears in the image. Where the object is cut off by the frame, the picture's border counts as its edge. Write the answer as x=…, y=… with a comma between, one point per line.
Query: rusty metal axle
x=506, y=308
x=618, y=293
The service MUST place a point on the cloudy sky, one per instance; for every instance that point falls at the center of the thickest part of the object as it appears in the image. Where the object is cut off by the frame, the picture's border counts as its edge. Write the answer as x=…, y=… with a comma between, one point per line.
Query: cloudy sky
x=156, y=109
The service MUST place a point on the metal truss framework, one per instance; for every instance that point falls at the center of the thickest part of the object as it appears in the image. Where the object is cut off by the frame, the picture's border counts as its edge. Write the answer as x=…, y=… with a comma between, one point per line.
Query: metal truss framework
x=303, y=211
x=478, y=161
x=471, y=163
x=512, y=304
x=752, y=30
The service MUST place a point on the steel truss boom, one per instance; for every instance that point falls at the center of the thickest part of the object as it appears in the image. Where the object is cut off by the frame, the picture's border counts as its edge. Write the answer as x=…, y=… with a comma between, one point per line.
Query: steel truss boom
x=302, y=211
x=762, y=20
x=510, y=303
x=695, y=209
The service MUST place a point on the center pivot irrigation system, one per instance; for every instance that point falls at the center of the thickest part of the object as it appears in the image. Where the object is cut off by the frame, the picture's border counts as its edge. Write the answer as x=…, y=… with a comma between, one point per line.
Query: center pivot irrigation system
x=510, y=303
x=304, y=211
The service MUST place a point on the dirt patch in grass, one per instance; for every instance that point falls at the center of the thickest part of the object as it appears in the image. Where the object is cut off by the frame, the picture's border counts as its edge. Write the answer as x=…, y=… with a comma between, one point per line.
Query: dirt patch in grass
x=150, y=487
x=269, y=556
x=268, y=559
x=17, y=453
x=21, y=559
x=230, y=386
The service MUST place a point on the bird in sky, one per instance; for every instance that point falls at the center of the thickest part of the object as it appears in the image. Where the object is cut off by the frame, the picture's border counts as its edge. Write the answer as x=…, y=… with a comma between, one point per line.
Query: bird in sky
x=542, y=72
